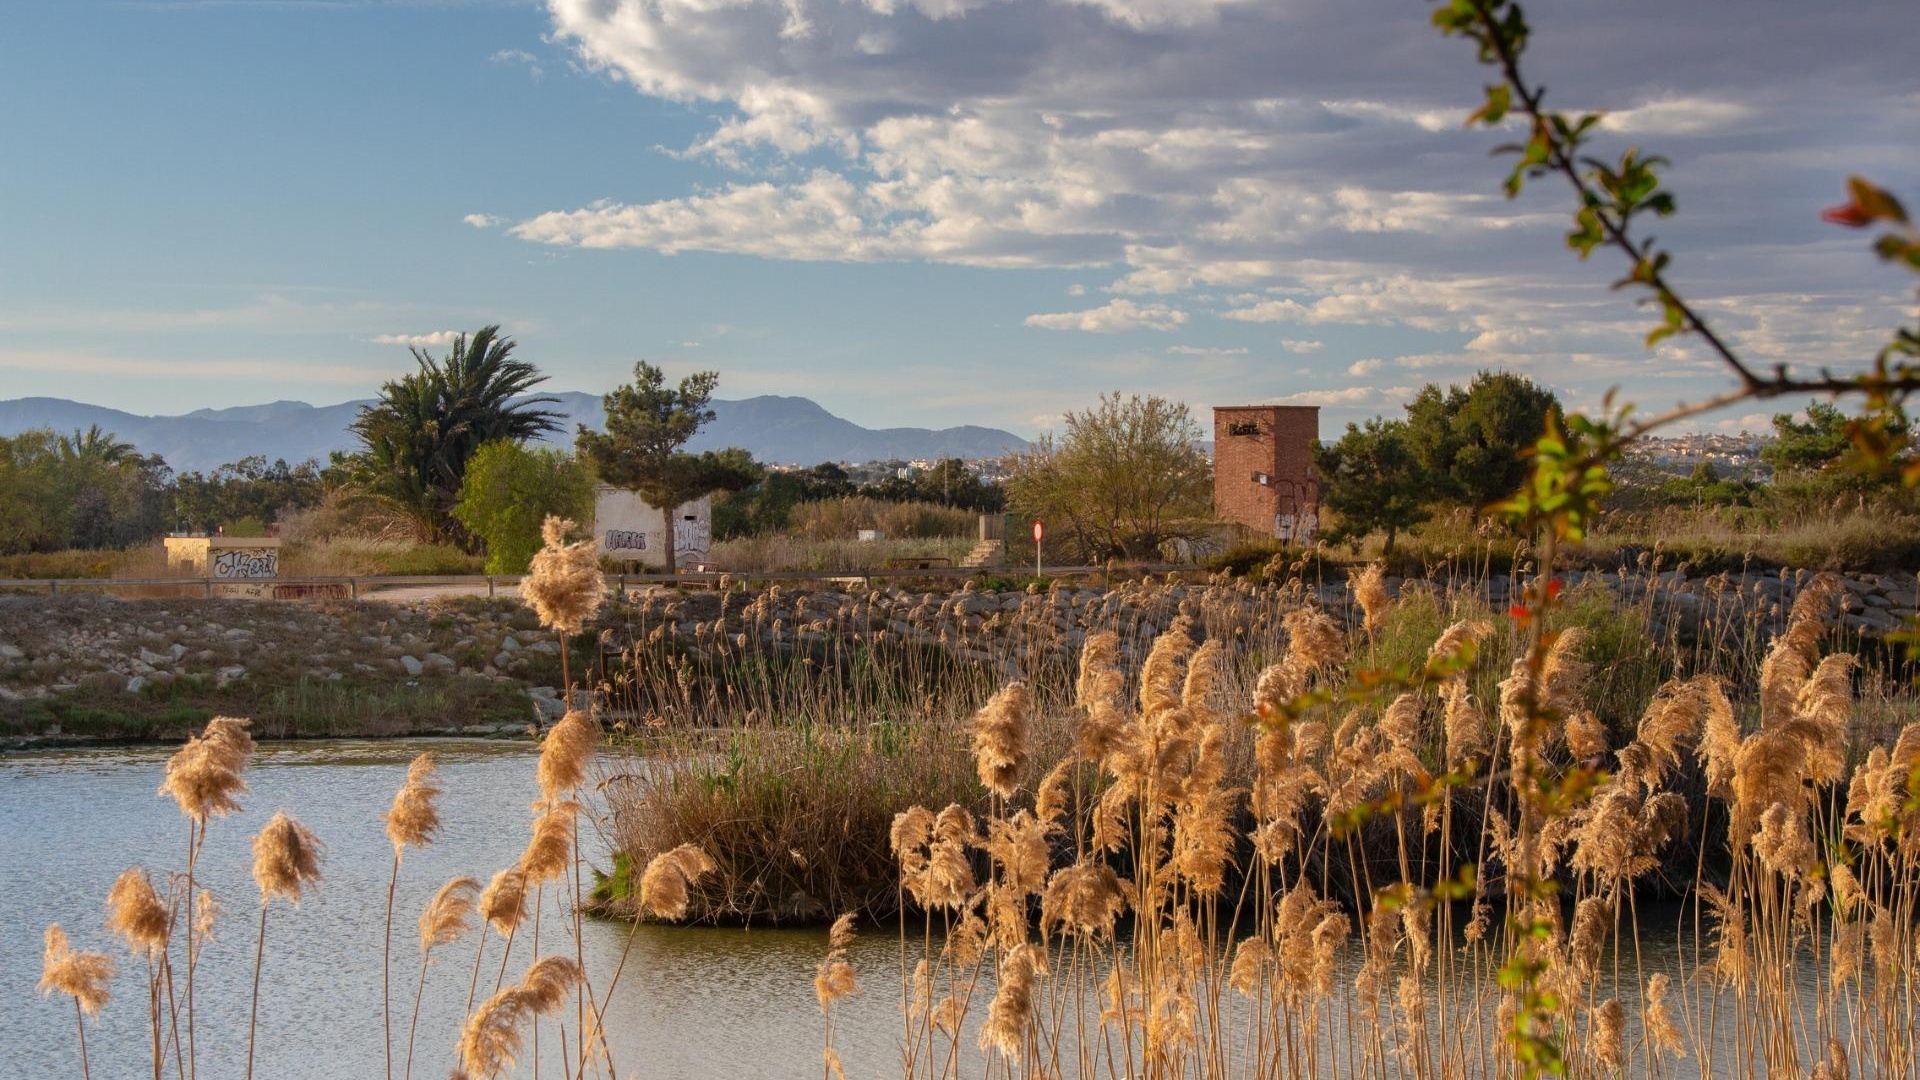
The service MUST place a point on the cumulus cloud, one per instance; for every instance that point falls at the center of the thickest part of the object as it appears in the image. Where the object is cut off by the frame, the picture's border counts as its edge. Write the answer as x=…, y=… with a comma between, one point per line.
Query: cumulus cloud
x=1197, y=350
x=1305, y=157
x=1350, y=396
x=483, y=221
x=1294, y=346
x=1361, y=368
x=1118, y=316
x=437, y=337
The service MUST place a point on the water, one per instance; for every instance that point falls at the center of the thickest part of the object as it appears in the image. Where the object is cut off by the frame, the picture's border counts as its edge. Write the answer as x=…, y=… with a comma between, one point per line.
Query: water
x=691, y=1003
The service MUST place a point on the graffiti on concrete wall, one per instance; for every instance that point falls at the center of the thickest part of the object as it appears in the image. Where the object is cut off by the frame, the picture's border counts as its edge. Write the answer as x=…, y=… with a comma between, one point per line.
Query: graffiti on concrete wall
x=246, y=563
x=626, y=540
x=692, y=540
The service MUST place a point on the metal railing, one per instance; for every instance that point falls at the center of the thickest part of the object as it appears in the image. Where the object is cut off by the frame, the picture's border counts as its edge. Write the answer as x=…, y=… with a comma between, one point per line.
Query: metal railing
x=356, y=586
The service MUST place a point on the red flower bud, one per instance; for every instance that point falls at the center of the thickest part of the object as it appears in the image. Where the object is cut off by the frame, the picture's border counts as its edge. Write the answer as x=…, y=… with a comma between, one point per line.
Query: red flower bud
x=1850, y=215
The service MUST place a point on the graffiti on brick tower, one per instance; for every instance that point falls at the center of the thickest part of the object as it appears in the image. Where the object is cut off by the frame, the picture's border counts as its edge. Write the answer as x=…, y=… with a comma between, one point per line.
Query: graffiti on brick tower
x=1296, y=528
x=243, y=563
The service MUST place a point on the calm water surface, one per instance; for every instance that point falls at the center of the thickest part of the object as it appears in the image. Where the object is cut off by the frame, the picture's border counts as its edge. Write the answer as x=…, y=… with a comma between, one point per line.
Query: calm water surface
x=691, y=1003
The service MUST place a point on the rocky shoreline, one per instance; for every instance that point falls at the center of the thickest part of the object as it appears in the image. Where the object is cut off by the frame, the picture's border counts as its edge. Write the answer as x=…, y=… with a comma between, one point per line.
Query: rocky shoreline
x=484, y=666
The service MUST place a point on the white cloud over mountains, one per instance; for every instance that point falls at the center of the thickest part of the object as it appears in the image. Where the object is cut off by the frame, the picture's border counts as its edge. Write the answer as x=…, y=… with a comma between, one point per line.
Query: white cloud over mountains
x=1278, y=164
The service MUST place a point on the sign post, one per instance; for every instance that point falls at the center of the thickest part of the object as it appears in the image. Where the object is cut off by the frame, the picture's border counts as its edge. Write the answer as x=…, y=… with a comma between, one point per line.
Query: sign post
x=1039, y=533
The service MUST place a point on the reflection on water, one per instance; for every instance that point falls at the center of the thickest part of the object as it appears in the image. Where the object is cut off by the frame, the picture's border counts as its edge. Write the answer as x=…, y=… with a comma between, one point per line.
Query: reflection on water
x=691, y=1003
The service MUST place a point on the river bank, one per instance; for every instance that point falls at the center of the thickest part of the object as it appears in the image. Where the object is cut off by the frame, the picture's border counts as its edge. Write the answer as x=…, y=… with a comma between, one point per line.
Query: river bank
x=79, y=669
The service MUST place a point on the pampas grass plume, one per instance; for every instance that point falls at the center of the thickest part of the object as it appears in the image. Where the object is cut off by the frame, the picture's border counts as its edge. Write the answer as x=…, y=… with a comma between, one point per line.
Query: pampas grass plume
x=136, y=912
x=286, y=859
x=563, y=585
x=414, y=817
x=82, y=976
x=663, y=887
x=1000, y=738
x=204, y=776
x=503, y=903
x=446, y=916
x=565, y=753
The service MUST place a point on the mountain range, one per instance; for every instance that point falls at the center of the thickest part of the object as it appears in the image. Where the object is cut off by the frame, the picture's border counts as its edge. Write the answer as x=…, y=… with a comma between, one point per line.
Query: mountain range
x=777, y=430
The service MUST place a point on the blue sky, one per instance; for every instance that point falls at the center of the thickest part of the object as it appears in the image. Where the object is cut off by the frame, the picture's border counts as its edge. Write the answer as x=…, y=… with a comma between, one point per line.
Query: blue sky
x=924, y=212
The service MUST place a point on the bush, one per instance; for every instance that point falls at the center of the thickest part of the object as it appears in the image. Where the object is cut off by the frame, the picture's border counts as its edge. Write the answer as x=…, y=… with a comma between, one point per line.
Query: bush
x=843, y=518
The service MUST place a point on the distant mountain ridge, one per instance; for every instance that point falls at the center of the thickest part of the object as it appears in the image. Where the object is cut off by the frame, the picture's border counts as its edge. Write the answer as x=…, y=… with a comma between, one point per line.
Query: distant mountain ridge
x=778, y=430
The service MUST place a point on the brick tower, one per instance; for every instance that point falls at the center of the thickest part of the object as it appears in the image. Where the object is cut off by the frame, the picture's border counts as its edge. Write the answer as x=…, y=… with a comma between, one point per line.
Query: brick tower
x=1263, y=469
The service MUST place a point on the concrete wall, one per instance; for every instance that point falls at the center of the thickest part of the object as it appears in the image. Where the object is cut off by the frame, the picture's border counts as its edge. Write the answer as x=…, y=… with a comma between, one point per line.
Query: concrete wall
x=227, y=558
x=627, y=529
x=1263, y=476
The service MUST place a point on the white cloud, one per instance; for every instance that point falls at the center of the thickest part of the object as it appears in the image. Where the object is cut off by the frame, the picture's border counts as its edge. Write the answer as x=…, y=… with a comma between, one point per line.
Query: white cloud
x=522, y=58
x=1350, y=396
x=483, y=221
x=437, y=337
x=1362, y=368
x=1677, y=116
x=1294, y=346
x=1196, y=350
x=1272, y=311
x=1076, y=290
x=1115, y=317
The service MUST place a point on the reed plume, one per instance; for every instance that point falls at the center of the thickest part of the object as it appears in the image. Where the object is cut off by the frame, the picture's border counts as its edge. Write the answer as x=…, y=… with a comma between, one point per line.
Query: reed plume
x=565, y=753
x=563, y=583
x=286, y=859
x=82, y=976
x=136, y=912
x=205, y=776
x=663, y=887
x=1000, y=738
x=834, y=978
x=447, y=916
x=1011, y=1011
x=503, y=903
x=414, y=817
x=492, y=1037
x=1793, y=653
x=412, y=821
x=550, y=850
x=1369, y=590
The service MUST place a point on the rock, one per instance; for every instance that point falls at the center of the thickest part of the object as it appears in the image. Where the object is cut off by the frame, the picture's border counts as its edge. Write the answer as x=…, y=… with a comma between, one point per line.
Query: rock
x=502, y=658
x=548, y=709
x=438, y=662
x=411, y=665
x=509, y=643
x=230, y=673
x=11, y=652
x=176, y=650
x=151, y=658
x=136, y=684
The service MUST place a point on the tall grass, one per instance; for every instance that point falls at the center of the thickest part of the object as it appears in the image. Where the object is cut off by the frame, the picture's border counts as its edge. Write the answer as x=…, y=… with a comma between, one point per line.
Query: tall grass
x=1421, y=875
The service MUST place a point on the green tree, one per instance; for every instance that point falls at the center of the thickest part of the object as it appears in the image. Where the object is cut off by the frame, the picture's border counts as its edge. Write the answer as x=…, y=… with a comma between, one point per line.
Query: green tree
x=1125, y=477
x=1472, y=441
x=1820, y=442
x=1373, y=481
x=648, y=423
x=96, y=445
x=509, y=491
x=417, y=439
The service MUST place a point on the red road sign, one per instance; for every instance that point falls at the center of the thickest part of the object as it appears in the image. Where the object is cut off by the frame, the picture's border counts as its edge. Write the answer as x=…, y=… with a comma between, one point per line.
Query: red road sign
x=1039, y=531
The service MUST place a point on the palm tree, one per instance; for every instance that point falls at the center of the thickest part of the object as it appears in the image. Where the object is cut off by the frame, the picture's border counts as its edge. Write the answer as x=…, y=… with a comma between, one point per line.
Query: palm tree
x=96, y=445
x=417, y=439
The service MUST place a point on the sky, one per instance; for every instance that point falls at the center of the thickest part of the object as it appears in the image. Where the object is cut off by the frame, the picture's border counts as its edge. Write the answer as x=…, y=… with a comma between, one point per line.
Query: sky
x=918, y=212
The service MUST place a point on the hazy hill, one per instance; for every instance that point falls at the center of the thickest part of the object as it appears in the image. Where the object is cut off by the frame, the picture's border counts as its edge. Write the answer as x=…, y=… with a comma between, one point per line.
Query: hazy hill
x=788, y=430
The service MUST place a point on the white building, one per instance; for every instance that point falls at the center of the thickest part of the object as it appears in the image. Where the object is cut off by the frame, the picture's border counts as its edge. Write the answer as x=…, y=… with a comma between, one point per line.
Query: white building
x=627, y=529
